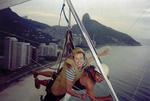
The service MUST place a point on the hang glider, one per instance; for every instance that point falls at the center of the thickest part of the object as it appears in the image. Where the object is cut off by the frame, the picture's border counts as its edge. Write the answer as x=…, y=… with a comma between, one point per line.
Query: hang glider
x=9, y=3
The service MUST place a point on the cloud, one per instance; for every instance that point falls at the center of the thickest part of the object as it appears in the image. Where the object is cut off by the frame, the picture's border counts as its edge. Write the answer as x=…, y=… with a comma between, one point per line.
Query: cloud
x=146, y=13
x=146, y=16
x=47, y=17
x=37, y=13
x=147, y=10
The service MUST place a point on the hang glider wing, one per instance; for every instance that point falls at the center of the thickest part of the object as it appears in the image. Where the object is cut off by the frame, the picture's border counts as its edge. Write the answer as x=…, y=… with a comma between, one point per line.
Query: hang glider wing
x=9, y=3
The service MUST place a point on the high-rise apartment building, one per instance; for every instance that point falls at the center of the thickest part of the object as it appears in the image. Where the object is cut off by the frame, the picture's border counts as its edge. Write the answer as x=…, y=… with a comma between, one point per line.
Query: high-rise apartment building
x=10, y=53
x=48, y=50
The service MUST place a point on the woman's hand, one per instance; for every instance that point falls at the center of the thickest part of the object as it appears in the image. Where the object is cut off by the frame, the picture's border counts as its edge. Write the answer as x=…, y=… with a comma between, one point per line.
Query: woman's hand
x=83, y=96
x=103, y=52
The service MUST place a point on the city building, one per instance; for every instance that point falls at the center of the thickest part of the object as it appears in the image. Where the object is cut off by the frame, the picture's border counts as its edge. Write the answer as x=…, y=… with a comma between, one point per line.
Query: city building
x=18, y=54
x=14, y=55
x=10, y=53
x=29, y=53
x=53, y=49
x=48, y=50
x=34, y=55
x=77, y=39
x=41, y=49
x=22, y=54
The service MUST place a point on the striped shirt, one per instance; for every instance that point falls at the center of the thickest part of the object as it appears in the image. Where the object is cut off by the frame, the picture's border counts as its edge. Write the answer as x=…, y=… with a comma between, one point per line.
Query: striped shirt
x=70, y=73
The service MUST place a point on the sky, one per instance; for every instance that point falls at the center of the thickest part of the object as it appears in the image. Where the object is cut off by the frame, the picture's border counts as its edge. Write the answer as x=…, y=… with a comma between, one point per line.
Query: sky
x=128, y=16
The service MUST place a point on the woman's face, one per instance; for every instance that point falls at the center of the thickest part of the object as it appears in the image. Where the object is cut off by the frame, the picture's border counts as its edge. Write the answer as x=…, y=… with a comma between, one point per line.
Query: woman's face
x=98, y=77
x=79, y=59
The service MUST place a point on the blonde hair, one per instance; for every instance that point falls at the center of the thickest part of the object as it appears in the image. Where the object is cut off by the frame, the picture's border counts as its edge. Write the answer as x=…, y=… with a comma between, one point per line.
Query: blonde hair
x=77, y=50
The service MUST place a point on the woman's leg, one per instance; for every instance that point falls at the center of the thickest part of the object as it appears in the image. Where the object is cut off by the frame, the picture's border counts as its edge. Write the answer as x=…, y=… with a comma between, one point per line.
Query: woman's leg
x=38, y=83
x=43, y=73
x=46, y=73
x=43, y=82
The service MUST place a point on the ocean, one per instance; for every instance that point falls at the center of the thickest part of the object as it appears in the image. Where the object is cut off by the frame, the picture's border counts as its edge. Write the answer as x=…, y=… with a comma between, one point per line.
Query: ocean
x=129, y=75
x=130, y=71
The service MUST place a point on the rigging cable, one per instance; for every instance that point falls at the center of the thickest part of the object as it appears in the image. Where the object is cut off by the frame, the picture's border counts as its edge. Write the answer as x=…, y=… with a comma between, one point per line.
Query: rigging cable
x=136, y=21
x=68, y=36
x=138, y=85
x=63, y=11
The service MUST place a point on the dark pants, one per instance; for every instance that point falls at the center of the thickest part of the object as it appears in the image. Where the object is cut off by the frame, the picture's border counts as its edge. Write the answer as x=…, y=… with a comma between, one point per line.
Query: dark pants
x=78, y=86
x=52, y=97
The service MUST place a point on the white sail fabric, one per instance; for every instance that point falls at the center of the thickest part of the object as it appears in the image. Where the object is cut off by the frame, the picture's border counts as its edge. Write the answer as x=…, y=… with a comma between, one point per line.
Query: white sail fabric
x=9, y=3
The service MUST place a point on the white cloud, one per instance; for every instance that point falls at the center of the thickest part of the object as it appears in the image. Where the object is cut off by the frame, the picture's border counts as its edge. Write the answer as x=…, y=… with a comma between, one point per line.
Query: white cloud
x=147, y=10
x=42, y=14
x=146, y=16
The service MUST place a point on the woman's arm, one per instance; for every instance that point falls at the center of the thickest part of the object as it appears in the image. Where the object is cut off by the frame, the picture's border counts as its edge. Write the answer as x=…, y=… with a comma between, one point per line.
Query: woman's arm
x=72, y=92
x=89, y=88
x=92, y=96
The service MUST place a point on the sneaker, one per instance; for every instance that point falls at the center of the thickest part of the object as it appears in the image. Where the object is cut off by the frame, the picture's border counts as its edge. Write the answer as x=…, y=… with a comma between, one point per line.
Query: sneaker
x=37, y=85
x=35, y=74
